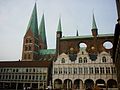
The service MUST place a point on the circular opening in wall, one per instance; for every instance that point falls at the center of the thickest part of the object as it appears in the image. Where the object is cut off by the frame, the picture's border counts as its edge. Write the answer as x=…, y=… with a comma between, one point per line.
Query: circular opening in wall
x=83, y=45
x=107, y=45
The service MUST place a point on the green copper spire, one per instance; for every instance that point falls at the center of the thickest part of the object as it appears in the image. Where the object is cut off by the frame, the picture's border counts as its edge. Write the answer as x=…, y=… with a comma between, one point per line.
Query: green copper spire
x=94, y=23
x=59, y=26
x=77, y=33
x=33, y=24
x=42, y=32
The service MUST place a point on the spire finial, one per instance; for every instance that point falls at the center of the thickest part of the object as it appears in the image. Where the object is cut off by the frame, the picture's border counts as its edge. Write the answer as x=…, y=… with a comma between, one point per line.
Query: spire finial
x=59, y=25
x=94, y=23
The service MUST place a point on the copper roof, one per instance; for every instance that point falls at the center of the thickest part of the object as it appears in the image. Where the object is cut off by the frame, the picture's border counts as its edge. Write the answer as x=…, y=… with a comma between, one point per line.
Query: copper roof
x=25, y=63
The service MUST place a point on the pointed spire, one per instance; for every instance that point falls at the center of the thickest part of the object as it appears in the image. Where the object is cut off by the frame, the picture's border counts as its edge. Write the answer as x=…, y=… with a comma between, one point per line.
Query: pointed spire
x=42, y=32
x=77, y=33
x=59, y=26
x=33, y=24
x=94, y=23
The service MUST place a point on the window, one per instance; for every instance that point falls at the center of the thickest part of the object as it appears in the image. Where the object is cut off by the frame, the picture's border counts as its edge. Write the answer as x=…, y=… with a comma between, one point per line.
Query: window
x=65, y=70
x=107, y=70
x=30, y=40
x=30, y=48
x=29, y=56
x=55, y=71
x=101, y=70
x=80, y=60
x=24, y=56
x=91, y=70
x=69, y=70
x=96, y=70
x=80, y=70
x=26, y=48
x=85, y=70
x=63, y=60
x=113, y=70
x=60, y=70
x=75, y=70
x=85, y=59
x=104, y=59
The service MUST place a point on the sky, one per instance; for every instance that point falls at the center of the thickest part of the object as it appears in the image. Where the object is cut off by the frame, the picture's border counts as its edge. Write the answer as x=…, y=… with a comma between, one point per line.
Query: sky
x=75, y=15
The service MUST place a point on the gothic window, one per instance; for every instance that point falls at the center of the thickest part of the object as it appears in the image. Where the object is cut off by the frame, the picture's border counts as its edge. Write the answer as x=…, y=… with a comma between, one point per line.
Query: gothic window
x=63, y=60
x=107, y=70
x=85, y=59
x=103, y=59
x=91, y=70
x=80, y=60
x=96, y=70
x=101, y=70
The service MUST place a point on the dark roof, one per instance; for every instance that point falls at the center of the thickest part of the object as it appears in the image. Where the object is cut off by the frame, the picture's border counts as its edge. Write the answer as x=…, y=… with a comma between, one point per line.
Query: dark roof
x=25, y=63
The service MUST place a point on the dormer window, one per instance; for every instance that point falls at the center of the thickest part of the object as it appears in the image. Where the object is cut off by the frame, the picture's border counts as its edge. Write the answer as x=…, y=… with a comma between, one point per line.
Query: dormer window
x=80, y=60
x=85, y=59
x=63, y=60
x=103, y=59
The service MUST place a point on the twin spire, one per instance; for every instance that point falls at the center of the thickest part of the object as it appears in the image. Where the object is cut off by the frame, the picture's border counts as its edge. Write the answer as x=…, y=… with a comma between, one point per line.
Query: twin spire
x=33, y=26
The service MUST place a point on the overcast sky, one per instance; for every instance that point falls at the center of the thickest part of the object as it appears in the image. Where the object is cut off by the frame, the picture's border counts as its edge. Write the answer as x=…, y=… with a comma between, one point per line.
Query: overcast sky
x=75, y=15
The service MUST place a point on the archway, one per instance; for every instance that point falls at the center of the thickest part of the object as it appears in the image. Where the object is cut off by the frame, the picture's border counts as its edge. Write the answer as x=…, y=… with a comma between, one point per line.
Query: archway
x=78, y=84
x=100, y=83
x=89, y=84
x=58, y=84
x=112, y=83
x=67, y=84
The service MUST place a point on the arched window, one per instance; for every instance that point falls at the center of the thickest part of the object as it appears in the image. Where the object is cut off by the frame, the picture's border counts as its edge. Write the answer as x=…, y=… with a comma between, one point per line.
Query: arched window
x=85, y=59
x=30, y=48
x=103, y=59
x=63, y=60
x=29, y=56
x=80, y=60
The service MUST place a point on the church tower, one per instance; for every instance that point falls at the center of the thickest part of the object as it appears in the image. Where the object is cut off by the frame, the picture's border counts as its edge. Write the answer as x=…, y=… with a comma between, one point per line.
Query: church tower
x=30, y=42
x=58, y=36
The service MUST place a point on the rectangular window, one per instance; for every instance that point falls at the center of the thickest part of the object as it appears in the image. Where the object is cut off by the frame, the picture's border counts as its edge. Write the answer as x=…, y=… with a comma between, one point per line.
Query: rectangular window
x=107, y=70
x=69, y=70
x=91, y=70
x=55, y=71
x=60, y=70
x=113, y=70
x=85, y=70
x=75, y=70
x=96, y=70
x=65, y=70
x=101, y=70
x=80, y=70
